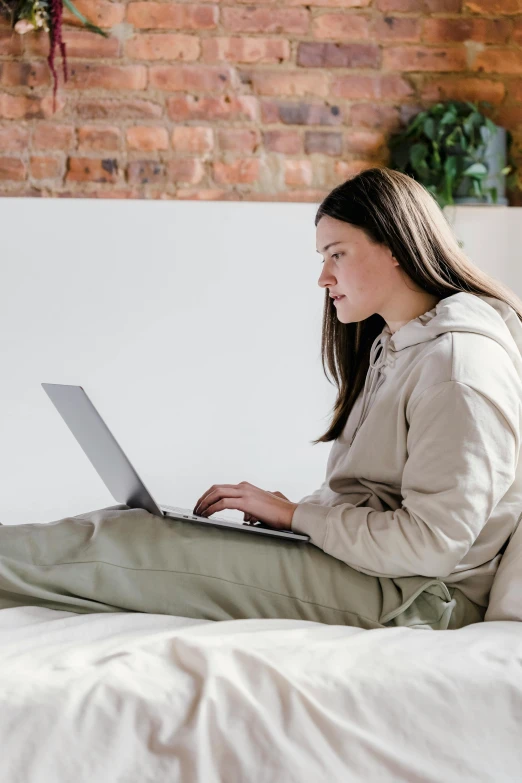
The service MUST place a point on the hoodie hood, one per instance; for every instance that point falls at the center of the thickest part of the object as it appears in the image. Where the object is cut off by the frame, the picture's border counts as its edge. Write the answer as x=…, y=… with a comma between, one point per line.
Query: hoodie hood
x=460, y=312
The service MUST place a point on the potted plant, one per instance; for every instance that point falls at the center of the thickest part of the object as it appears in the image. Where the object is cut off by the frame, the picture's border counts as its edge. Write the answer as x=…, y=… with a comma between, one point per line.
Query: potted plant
x=28, y=15
x=457, y=153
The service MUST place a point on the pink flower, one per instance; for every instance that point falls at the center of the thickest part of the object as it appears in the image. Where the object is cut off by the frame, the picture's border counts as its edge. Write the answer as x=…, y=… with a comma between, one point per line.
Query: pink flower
x=23, y=26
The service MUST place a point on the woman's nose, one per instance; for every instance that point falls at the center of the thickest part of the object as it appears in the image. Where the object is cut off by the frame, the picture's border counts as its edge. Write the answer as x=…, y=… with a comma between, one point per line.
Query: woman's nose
x=323, y=278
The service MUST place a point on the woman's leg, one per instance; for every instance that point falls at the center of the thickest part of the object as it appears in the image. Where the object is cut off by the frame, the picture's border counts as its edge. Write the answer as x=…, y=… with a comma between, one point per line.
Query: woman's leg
x=121, y=559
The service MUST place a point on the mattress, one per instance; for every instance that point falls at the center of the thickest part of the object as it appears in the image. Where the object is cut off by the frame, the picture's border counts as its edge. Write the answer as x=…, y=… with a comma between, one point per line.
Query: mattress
x=139, y=697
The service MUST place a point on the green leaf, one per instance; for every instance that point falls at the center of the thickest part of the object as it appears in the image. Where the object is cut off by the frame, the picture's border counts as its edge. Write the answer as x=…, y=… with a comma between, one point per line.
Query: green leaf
x=449, y=118
x=429, y=128
x=89, y=25
x=450, y=167
x=476, y=170
x=491, y=125
x=418, y=154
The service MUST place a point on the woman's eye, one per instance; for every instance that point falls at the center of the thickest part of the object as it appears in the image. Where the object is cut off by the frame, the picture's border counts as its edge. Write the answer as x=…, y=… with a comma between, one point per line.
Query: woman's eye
x=332, y=256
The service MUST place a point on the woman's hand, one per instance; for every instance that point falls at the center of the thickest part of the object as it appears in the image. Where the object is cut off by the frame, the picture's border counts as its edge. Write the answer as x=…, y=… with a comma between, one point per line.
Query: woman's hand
x=271, y=508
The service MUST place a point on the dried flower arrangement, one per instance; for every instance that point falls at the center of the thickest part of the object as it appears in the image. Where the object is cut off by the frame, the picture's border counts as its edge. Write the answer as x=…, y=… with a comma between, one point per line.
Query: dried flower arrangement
x=29, y=15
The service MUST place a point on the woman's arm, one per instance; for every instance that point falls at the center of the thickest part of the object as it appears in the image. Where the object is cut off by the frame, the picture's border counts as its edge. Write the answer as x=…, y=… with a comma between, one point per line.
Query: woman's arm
x=462, y=457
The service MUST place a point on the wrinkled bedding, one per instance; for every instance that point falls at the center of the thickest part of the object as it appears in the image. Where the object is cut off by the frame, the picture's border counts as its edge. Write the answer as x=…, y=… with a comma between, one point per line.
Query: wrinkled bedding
x=140, y=697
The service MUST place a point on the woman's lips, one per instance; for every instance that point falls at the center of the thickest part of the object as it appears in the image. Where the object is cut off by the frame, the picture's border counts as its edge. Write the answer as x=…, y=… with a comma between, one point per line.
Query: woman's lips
x=338, y=298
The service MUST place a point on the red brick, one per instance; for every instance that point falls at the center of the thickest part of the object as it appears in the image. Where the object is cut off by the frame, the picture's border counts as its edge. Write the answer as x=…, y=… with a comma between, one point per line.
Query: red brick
x=330, y=55
x=145, y=172
x=341, y=27
x=205, y=194
x=245, y=50
x=290, y=21
x=443, y=6
x=509, y=116
x=17, y=107
x=298, y=172
x=463, y=89
x=300, y=113
x=12, y=169
x=287, y=142
x=25, y=192
x=498, y=61
x=100, y=12
x=125, y=109
x=366, y=142
x=324, y=143
x=147, y=138
x=98, y=138
x=344, y=4
x=172, y=16
x=514, y=89
x=240, y=140
x=494, y=7
x=289, y=82
x=316, y=3
x=243, y=170
x=92, y=170
x=10, y=43
x=79, y=43
x=517, y=32
x=45, y=167
x=183, y=78
x=421, y=6
x=305, y=195
x=163, y=46
x=375, y=115
x=396, y=28
x=13, y=138
x=21, y=74
x=102, y=193
x=410, y=58
x=188, y=170
x=47, y=136
x=385, y=86
x=480, y=30
x=90, y=76
x=193, y=140
x=345, y=169
x=188, y=107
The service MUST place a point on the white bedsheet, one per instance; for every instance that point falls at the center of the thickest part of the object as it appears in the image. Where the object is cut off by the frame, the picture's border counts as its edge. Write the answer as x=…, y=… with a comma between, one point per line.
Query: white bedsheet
x=136, y=698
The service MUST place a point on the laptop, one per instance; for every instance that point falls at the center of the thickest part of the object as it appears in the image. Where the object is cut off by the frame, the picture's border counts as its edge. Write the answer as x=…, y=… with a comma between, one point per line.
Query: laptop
x=117, y=473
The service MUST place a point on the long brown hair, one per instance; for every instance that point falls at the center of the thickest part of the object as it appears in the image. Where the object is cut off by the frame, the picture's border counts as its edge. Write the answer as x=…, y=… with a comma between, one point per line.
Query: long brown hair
x=396, y=211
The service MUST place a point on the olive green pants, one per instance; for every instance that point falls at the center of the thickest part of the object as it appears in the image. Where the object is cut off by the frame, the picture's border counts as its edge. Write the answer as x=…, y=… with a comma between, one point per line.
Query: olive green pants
x=122, y=559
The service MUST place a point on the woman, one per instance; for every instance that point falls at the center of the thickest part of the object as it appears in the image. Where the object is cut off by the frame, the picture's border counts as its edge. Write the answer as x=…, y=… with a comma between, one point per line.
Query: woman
x=423, y=484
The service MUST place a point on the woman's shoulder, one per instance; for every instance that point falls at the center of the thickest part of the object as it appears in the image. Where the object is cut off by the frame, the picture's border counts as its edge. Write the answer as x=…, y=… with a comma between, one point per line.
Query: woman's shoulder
x=471, y=359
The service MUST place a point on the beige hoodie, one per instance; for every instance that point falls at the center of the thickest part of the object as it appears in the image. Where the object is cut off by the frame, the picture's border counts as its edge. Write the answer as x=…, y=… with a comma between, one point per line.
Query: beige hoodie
x=425, y=478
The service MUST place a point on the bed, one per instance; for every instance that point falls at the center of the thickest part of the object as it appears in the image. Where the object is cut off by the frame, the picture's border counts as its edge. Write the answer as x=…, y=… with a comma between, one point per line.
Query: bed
x=144, y=697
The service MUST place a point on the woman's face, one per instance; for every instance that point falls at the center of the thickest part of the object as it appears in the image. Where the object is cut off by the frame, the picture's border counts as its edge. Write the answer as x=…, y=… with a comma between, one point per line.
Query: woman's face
x=363, y=272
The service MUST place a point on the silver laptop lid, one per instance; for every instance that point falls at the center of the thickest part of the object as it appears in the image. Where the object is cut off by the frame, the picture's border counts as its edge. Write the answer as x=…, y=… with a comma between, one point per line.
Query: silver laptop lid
x=101, y=447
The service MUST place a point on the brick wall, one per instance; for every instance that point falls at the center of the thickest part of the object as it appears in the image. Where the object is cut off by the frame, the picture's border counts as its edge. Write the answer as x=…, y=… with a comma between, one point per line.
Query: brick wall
x=260, y=100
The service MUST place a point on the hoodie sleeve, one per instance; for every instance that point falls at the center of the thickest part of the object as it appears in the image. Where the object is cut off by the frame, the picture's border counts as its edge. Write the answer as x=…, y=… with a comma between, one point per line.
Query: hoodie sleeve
x=462, y=457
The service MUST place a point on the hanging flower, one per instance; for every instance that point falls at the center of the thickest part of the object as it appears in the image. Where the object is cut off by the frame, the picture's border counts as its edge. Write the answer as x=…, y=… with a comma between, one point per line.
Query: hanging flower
x=29, y=15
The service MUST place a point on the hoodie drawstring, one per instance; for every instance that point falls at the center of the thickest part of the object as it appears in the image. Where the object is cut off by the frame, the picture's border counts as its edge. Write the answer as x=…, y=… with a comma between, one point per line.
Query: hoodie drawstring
x=373, y=382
